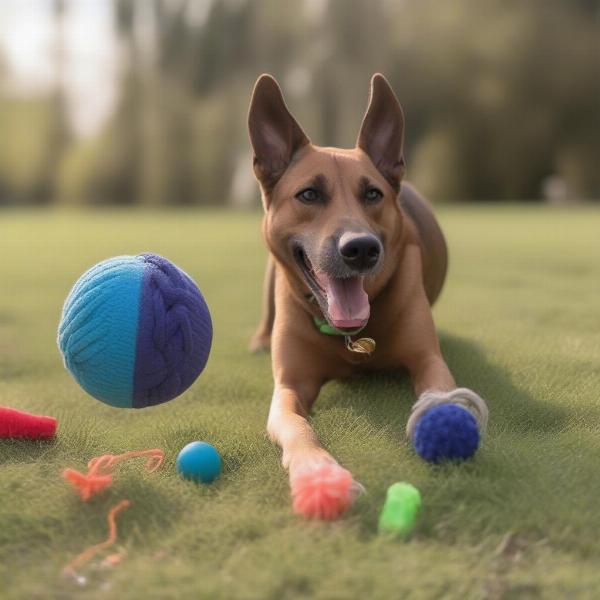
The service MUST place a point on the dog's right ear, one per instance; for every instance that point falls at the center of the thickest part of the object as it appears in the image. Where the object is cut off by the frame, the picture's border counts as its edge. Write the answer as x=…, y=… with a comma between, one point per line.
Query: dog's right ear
x=382, y=131
x=274, y=133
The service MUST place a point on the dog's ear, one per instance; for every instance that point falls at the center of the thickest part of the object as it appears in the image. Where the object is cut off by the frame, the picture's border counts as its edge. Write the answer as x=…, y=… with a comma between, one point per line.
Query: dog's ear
x=274, y=133
x=382, y=131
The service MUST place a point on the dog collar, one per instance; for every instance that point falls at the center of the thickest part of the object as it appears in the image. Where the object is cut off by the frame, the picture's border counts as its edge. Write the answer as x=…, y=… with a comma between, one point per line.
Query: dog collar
x=324, y=327
x=364, y=345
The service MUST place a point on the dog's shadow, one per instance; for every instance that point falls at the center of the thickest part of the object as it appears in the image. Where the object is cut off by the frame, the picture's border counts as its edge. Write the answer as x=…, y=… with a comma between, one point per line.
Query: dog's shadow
x=511, y=407
x=378, y=407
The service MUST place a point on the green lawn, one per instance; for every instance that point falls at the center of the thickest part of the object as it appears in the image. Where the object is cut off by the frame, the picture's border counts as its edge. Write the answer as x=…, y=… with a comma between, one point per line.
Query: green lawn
x=520, y=323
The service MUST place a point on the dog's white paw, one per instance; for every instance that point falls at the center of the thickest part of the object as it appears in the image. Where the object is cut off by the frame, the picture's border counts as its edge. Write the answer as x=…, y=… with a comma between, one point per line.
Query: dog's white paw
x=464, y=397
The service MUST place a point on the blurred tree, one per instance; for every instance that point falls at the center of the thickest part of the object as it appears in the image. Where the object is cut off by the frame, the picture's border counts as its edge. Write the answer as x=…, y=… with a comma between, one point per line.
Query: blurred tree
x=35, y=133
x=112, y=166
x=502, y=91
x=58, y=136
x=498, y=95
x=27, y=132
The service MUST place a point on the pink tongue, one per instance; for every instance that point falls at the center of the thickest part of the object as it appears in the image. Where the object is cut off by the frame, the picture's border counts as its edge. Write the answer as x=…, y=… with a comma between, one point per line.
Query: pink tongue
x=348, y=303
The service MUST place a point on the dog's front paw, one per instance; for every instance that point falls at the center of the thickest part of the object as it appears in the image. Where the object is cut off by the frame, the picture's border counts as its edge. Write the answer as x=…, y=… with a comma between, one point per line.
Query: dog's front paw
x=447, y=425
x=323, y=492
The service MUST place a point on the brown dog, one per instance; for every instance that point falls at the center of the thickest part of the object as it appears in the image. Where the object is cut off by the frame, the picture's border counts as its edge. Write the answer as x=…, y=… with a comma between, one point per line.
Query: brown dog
x=354, y=246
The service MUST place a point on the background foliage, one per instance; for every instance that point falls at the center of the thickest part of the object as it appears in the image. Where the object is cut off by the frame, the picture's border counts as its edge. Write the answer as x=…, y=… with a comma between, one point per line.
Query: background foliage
x=501, y=97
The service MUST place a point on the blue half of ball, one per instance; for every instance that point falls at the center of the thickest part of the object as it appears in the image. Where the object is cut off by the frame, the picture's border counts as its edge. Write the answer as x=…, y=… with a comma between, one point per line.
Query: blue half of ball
x=135, y=331
x=446, y=432
x=199, y=462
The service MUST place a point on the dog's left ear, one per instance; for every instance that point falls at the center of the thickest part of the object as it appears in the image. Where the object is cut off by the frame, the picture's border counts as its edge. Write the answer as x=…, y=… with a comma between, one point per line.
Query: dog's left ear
x=382, y=131
x=274, y=133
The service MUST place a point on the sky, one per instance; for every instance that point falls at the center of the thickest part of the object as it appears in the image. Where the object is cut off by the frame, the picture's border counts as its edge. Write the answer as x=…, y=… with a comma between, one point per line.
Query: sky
x=28, y=46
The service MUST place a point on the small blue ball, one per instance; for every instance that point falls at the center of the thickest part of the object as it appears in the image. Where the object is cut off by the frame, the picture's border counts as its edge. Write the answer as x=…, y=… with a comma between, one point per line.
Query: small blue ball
x=446, y=432
x=199, y=461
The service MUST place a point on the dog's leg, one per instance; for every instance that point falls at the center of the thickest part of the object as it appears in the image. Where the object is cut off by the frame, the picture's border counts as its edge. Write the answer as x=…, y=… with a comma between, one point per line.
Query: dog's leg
x=261, y=340
x=320, y=487
x=288, y=425
x=432, y=381
x=434, y=386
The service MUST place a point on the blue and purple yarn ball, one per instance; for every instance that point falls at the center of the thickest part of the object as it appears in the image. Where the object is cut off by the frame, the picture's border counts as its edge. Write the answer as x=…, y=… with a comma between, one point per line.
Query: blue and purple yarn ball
x=135, y=331
x=446, y=432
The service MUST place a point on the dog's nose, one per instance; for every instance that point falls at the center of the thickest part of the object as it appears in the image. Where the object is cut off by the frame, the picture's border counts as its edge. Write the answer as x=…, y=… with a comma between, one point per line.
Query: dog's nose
x=360, y=251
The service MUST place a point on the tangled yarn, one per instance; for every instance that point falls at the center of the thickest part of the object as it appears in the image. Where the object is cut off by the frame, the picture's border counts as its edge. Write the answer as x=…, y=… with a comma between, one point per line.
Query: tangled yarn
x=99, y=475
x=91, y=551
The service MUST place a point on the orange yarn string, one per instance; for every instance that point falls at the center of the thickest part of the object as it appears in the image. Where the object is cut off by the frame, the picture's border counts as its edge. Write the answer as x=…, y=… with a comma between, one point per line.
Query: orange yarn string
x=95, y=480
x=90, y=552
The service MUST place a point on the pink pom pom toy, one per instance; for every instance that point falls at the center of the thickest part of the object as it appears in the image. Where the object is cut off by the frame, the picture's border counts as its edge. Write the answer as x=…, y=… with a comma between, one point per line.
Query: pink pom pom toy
x=326, y=492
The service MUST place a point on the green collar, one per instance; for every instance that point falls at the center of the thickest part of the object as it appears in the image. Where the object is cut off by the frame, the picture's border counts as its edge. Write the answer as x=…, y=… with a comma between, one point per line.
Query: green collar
x=324, y=327
x=364, y=346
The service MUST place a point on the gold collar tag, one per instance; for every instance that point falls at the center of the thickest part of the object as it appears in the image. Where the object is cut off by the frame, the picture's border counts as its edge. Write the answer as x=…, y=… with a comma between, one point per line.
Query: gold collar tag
x=364, y=345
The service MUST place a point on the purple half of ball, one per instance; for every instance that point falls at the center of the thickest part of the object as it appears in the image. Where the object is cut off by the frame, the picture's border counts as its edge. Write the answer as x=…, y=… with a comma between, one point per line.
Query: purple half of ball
x=174, y=333
x=446, y=432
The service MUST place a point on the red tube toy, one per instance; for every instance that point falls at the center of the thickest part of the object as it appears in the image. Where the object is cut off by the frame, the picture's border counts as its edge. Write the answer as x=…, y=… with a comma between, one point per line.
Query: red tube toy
x=18, y=424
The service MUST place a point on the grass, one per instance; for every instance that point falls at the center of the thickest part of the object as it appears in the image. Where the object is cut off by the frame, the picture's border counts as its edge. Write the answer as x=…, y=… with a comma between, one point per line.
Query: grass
x=519, y=323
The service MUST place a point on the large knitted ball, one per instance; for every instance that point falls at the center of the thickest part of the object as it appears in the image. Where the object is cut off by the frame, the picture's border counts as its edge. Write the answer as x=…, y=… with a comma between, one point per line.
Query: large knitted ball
x=135, y=331
x=446, y=432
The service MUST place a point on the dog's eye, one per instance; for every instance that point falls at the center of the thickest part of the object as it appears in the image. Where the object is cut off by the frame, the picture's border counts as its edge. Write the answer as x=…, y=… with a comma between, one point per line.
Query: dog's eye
x=309, y=196
x=373, y=195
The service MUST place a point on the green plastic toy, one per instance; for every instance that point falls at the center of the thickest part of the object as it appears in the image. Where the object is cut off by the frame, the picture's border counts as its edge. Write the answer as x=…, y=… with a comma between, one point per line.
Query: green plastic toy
x=400, y=509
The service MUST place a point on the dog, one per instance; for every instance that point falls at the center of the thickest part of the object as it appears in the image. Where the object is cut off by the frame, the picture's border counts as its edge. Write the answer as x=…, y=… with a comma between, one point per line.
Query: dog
x=354, y=250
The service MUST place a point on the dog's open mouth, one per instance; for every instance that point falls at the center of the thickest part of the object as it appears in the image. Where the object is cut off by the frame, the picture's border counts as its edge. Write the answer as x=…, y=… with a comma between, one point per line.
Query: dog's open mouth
x=344, y=302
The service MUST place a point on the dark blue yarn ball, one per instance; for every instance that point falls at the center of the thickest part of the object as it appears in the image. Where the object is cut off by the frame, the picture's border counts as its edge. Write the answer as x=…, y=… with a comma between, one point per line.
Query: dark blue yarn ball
x=446, y=432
